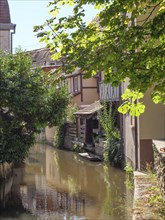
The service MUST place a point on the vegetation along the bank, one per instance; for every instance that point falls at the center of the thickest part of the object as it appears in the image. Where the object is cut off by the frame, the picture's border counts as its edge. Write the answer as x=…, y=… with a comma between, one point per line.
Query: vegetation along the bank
x=29, y=101
x=112, y=147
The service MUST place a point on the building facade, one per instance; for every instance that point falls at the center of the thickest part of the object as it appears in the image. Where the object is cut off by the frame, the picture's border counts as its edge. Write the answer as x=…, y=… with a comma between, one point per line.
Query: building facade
x=7, y=29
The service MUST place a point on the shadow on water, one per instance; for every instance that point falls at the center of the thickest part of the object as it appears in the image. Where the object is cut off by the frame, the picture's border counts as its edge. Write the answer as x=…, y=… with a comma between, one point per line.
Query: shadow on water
x=60, y=185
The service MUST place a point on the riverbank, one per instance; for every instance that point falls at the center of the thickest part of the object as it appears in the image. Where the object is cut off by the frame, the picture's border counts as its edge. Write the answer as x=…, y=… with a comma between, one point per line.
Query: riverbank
x=148, y=203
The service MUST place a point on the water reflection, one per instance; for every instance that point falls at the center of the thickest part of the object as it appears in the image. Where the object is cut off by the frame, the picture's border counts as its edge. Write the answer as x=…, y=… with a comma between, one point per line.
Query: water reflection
x=59, y=185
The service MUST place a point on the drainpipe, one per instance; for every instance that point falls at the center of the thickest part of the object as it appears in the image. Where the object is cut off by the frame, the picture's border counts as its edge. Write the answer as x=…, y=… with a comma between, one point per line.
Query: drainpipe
x=12, y=39
x=137, y=162
x=121, y=123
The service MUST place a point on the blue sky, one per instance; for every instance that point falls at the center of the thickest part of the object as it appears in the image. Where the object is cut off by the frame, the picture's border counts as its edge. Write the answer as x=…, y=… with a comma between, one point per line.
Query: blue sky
x=28, y=13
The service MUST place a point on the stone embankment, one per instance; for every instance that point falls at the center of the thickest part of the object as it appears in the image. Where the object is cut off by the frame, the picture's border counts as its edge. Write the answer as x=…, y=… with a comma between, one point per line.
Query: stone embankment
x=149, y=189
x=159, y=163
x=141, y=207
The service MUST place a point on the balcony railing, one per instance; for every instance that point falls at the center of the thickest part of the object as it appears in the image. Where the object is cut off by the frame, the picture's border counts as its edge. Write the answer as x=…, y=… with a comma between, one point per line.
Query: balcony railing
x=108, y=92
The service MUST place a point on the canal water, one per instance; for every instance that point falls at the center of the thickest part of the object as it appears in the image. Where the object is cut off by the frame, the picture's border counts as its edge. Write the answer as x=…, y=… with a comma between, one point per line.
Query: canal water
x=59, y=185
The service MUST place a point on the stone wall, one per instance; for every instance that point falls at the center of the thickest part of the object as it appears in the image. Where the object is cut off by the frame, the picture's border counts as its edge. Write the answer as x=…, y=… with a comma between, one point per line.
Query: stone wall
x=159, y=162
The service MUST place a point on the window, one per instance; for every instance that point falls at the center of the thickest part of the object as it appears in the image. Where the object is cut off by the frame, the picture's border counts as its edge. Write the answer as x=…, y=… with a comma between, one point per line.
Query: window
x=75, y=84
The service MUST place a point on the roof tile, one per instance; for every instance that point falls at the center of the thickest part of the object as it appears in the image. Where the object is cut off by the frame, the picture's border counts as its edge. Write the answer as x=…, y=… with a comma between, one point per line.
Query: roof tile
x=4, y=12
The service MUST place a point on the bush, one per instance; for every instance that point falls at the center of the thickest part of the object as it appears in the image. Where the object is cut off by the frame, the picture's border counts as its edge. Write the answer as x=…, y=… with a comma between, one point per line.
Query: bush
x=29, y=101
x=59, y=136
x=112, y=148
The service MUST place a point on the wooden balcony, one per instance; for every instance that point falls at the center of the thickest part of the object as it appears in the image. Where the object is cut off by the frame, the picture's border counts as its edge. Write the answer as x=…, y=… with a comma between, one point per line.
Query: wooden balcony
x=108, y=92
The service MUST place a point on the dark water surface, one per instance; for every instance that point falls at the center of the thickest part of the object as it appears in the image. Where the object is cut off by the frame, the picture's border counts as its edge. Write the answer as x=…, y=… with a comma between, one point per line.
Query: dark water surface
x=59, y=185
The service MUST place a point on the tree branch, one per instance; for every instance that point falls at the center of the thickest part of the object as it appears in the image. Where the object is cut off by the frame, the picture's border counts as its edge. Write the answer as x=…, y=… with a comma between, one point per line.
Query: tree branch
x=154, y=7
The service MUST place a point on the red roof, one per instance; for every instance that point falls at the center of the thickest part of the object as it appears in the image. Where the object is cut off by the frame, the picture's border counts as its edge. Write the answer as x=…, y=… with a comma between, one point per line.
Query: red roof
x=4, y=12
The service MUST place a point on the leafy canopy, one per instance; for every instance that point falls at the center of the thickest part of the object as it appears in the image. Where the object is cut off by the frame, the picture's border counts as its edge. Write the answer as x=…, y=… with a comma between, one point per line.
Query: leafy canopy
x=28, y=102
x=125, y=40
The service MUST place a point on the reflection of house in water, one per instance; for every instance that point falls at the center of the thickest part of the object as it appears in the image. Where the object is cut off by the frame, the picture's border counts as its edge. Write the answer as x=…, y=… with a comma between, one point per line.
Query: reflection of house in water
x=41, y=199
x=85, y=180
x=66, y=187
x=59, y=184
x=47, y=202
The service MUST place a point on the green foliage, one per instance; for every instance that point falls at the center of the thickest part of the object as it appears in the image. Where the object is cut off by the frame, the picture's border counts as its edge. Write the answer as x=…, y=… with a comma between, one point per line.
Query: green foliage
x=155, y=197
x=129, y=181
x=112, y=151
x=71, y=109
x=112, y=148
x=129, y=176
x=78, y=147
x=128, y=168
x=126, y=40
x=59, y=136
x=107, y=121
x=28, y=102
x=130, y=104
x=61, y=128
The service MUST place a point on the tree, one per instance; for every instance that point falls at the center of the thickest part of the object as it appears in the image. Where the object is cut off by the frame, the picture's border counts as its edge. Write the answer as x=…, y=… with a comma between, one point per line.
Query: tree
x=28, y=102
x=125, y=40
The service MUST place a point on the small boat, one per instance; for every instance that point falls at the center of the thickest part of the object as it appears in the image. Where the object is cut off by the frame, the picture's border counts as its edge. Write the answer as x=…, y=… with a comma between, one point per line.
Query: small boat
x=90, y=156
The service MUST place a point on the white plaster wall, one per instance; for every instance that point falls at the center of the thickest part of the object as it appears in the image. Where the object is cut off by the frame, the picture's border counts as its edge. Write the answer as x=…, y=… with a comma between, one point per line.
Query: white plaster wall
x=129, y=140
x=152, y=122
x=50, y=133
x=128, y=134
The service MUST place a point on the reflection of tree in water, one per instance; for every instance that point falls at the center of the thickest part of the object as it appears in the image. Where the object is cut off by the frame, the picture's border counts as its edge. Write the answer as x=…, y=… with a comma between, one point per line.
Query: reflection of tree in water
x=5, y=188
x=114, y=204
x=73, y=187
x=10, y=199
x=101, y=183
x=56, y=159
x=81, y=175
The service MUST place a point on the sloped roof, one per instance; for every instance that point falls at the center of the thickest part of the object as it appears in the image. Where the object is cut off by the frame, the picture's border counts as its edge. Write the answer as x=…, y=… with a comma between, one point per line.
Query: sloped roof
x=42, y=57
x=4, y=12
x=89, y=109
